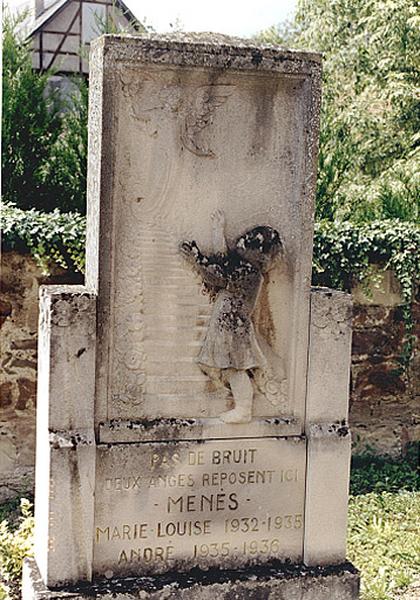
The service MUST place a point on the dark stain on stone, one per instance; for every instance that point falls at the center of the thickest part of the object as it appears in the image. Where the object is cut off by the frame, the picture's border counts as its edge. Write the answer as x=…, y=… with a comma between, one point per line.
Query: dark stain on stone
x=26, y=344
x=146, y=425
x=263, y=316
x=27, y=393
x=343, y=431
x=274, y=570
x=80, y=352
x=278, y=421
x=5, y=310
x=256, y=57
x=23, y=363
x=6, y=392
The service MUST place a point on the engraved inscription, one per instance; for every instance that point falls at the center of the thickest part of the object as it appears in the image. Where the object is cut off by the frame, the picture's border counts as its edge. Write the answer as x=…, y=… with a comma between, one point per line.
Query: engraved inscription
x=198, y=505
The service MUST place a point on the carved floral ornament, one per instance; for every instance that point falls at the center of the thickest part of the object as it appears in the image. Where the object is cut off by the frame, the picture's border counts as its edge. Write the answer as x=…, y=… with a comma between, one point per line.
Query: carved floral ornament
x=65, y=310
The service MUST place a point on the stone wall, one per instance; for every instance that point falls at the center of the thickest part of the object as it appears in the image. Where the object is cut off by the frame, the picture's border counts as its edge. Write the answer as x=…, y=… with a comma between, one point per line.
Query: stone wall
x=20, y=281
x=384, y=412
x=384, y=401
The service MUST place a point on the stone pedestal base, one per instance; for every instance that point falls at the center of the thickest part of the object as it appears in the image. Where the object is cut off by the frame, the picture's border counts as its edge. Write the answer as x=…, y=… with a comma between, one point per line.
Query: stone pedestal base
x=274, y=582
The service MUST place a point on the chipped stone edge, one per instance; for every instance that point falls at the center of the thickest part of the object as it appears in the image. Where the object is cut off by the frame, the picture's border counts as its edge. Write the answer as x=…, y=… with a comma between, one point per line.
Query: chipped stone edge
x=216, y=52
x=334, y=430
x=71, y=439
x=199, y=584
x=169, y=429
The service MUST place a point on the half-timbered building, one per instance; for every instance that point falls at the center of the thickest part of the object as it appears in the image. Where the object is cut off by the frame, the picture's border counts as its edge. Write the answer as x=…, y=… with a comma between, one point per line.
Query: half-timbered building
x=62, y=30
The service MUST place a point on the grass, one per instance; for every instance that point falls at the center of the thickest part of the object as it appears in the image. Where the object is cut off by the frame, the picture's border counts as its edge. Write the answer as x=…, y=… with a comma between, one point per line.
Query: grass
x=384, y=541
x=383, y=538
x=384, y=516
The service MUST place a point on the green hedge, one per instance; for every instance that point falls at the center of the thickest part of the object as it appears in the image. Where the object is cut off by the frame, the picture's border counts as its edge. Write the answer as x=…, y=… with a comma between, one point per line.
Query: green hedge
x=53, y=238
x=347, y=252
x=343, y=252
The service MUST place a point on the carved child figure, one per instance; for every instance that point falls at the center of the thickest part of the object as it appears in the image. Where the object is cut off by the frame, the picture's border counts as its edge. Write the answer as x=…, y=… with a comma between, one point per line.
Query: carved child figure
x=233, y=277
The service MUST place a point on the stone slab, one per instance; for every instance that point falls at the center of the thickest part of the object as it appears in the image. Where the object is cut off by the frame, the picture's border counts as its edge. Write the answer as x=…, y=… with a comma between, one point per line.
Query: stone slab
x=182, y=505
x=271, y=582
x=327, y=488
x=65, y=448
x=179, y=129
x=66, y=358
x=329, y=356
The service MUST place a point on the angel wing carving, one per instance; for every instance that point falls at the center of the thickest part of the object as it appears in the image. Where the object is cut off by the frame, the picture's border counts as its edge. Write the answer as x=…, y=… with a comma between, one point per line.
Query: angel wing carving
x=199, y=114
x=194, y=107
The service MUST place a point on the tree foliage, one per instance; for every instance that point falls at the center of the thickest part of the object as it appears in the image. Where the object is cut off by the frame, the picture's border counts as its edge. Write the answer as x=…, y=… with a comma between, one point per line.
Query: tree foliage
x=66, y=169
x=44, y=135
x=369, y=141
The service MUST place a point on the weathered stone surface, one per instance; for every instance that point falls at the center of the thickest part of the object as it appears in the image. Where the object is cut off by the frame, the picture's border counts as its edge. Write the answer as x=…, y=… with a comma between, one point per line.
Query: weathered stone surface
x=19, y=285
x=327, y=485
x=207, y=115
x=66, y=450
x=384, y=396
x=329, y=356
x=385, y=420
x=377, y=342
x=27, y=393
x=15, y=481
x=5, y=394
x=174, y=507
x=326, y=427
x=121, y=431
x=176, y=137
x=190, y=142
x=271, y=582
x=5, y=310
x=385, y=292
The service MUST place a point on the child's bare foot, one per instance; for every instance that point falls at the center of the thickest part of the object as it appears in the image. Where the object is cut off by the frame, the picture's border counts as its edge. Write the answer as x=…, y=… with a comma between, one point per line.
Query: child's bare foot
x=236, y=415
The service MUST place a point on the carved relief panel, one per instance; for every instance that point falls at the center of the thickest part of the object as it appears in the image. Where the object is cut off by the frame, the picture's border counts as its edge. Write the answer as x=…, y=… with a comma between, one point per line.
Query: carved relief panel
x=182, y=155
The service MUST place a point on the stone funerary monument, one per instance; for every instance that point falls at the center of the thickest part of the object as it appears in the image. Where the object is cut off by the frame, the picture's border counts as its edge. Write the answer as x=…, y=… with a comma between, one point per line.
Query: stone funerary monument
x=192, y=400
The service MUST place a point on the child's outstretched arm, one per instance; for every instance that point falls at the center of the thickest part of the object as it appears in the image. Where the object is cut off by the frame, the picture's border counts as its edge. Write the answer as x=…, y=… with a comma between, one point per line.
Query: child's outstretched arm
x=211, y=273
x=218, y=226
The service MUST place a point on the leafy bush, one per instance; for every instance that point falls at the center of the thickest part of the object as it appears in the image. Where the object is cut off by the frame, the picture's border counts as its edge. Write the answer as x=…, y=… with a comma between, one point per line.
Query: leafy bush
x=343, y=252
x=52, y=238
x=30, y=119
x=64, y=174
x=44, y=134
x=370, y=114
x=15, y=544
x=371, y=473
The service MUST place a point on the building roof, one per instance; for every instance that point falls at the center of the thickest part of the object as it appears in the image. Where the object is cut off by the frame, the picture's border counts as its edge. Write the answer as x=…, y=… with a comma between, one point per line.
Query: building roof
x=37, y=23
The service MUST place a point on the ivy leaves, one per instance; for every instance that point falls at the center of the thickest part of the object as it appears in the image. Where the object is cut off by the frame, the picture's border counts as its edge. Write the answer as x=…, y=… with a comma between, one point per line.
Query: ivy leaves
x=53, y=238
x=344, y=253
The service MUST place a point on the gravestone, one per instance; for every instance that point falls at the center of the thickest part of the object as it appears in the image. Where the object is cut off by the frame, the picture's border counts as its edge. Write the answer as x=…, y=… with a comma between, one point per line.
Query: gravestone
x=192, y=399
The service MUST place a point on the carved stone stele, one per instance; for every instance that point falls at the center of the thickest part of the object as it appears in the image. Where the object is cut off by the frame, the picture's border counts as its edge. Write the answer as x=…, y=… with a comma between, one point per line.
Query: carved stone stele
x=193, y=395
